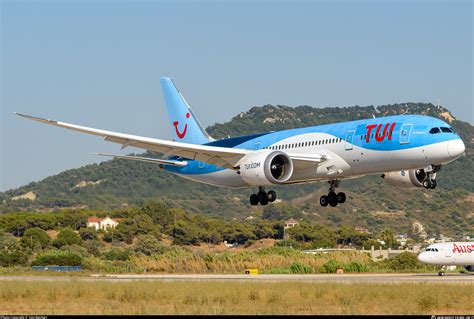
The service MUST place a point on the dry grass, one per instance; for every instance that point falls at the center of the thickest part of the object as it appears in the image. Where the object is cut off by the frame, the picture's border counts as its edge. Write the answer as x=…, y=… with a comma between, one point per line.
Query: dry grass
x=266, y=261
x=219, y=297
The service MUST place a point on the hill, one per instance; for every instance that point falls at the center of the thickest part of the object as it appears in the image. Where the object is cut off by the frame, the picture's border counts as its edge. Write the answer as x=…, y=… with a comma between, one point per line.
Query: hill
x=118, y=183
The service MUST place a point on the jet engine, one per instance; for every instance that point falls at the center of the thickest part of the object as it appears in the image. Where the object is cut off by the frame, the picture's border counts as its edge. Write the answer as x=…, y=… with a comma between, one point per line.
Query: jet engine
x=264, y=168
x=407, y=179
x=469, y=268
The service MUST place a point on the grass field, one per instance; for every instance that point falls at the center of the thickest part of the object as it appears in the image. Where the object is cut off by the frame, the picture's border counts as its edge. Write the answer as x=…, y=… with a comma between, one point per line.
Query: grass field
x=194, y=297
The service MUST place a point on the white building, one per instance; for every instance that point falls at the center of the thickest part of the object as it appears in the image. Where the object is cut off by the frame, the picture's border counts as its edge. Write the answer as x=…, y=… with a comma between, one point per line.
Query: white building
x=101, y=223
x=290, y=223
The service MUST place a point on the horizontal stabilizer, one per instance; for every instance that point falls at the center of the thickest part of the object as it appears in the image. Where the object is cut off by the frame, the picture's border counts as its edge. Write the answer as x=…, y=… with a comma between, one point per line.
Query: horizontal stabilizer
x=146, y=159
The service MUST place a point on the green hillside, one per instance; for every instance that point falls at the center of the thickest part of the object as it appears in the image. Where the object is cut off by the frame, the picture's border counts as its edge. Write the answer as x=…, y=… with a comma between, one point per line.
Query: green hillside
x=118, y=183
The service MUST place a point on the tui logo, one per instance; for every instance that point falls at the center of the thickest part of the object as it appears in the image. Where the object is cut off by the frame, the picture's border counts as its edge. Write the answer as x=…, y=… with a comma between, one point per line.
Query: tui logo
x=379, y=137
x=175, y=124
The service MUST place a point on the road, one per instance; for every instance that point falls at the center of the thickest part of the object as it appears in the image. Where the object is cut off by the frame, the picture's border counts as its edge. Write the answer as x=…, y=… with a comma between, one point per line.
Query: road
x=340, y=278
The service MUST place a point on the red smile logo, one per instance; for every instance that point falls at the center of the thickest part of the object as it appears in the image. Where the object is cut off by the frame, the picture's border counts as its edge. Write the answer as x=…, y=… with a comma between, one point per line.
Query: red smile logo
x=175, y=124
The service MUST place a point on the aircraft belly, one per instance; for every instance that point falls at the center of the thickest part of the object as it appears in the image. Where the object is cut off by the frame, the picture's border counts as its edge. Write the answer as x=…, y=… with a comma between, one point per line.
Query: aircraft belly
x=223, y=178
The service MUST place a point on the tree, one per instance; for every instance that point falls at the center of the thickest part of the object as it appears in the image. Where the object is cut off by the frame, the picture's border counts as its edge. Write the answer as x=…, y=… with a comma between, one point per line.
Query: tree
x=144, y=224
x=347, y=235
x=8, y=242
x=35, y=238
x=186, y=233
x=371, y=242
x=148, y=245
x=67, y=237
x=389, y=238
x=88, y=233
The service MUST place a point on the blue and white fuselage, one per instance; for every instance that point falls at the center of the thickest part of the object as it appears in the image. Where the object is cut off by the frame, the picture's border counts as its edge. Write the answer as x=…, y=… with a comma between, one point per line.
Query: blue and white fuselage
x=407, y=149
x=351, y=152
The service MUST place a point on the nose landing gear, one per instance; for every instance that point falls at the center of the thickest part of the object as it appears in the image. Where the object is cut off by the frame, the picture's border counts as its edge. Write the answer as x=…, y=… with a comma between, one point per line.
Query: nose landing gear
x=262, y=197
x=430, y=180
x=332, y=198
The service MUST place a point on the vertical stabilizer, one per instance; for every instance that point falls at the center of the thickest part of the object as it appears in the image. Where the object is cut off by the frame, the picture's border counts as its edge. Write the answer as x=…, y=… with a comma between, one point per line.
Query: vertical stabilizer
x=184, y=124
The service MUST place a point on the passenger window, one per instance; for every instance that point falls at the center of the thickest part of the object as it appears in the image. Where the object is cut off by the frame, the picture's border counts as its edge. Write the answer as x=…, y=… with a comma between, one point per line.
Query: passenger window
x=435, y=130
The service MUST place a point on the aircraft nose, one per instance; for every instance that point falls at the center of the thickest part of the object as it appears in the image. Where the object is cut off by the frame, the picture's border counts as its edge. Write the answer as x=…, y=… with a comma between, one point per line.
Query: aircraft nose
x=456, y=148
x=423, y=257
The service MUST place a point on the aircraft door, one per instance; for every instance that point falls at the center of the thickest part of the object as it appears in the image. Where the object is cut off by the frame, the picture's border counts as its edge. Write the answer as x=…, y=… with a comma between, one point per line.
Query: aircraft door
x=349, y=140
x=405, y=132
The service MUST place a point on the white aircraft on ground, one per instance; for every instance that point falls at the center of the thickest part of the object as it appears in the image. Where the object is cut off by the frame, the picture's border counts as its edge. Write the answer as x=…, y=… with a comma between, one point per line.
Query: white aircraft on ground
x=407, y=150
x=449, y=254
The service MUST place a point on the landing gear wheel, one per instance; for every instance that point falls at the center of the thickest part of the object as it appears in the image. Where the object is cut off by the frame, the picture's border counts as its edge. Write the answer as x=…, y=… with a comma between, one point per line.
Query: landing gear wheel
x=254, y=199
x=341, y=197
x=271, y=196
x=332, y=197
x=324, y=201
x=427, y=183
x=441, y=273
x=433, y=184
x=263, y=198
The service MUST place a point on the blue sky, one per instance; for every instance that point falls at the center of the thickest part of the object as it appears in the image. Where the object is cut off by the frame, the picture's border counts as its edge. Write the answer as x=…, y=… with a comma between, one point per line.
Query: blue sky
x=98, y=64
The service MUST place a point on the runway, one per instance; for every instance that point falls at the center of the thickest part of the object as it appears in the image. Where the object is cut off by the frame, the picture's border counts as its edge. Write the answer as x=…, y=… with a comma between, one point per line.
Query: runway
x=336, y=278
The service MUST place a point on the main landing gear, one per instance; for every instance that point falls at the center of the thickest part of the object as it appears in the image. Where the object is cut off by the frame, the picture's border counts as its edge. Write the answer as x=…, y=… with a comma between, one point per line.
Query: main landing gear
x=332, y=198
x=262, y=197
x=430, y=180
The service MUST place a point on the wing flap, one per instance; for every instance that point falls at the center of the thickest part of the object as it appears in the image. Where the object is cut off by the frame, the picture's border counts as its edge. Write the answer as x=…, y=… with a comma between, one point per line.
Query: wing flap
x=301, y=162
x=146, y=159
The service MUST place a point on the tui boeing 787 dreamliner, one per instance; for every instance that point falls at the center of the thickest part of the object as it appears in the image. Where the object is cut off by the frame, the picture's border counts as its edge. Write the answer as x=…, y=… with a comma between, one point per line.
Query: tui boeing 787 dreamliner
x=408, y=150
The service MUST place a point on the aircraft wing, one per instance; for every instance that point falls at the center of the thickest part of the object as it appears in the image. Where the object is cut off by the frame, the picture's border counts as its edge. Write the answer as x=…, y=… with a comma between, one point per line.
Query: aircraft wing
x=219, y=156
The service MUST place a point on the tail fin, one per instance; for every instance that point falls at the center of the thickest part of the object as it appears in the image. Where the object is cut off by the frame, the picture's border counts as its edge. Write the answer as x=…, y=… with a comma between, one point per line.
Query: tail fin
x=185, y=126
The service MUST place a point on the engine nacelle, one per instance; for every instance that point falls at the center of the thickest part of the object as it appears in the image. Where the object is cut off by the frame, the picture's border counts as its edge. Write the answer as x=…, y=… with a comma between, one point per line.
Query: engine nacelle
x=469, y=268
x=406, y=179
x=264, y=168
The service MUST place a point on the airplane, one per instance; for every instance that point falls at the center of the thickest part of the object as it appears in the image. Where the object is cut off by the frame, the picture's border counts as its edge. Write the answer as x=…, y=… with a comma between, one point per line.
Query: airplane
x=445, y=254
x=408, y=150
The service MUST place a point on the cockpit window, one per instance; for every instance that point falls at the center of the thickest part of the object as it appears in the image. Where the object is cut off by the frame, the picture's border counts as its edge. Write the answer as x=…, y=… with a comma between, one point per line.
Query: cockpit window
x=446, y=130
x=435, y=130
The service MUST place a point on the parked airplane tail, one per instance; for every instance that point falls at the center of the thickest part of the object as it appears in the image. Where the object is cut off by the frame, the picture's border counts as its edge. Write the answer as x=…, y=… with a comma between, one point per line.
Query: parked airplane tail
x=186, y=127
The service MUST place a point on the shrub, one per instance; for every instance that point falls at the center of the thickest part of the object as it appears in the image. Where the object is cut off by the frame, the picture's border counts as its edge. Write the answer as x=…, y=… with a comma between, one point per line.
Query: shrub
x=298, y=268
x=148, y=245
x=58, y=258
x=12, y=258
x=330, y=266
x=93, y=246
x=355, y=266
x=76, y=249
x=404, y=261
x=118, y=254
